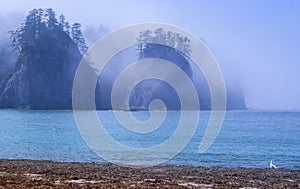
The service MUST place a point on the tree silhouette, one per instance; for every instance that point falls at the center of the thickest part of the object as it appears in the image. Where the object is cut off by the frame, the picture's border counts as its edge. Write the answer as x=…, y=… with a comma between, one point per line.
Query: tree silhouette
x=51, y=18
x=78, y=37
x=40, y=22
x=63, y=24
x=24, y=36
x=180, y=43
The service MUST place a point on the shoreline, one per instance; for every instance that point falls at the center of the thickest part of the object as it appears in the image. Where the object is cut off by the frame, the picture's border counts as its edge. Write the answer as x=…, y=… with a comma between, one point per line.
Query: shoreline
x=52, y=174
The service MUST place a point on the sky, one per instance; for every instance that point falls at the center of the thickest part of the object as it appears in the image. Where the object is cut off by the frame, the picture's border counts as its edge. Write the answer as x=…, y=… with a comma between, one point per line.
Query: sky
x=256, y=43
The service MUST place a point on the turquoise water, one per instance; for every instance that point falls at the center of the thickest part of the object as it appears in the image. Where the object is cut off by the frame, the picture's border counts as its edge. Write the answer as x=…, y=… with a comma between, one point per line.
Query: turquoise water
x=247, y=138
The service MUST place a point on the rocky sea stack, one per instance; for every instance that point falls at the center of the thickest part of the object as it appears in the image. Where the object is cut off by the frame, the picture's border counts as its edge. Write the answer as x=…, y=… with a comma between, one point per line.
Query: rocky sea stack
x=45, y=68
x=49, y=51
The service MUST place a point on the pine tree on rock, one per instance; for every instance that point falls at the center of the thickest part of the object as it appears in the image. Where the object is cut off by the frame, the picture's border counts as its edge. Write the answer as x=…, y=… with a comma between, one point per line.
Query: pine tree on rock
x=78, y=37
x=51, y=18
x=63, y=24
x=147, y=40
x=43, y=22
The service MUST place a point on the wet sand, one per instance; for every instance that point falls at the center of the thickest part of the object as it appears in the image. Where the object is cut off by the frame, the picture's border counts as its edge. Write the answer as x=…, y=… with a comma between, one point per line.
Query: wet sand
x=49, y=174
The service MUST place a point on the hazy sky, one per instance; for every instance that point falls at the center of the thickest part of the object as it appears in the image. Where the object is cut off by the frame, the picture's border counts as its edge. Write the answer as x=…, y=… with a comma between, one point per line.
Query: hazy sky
x=256, y=42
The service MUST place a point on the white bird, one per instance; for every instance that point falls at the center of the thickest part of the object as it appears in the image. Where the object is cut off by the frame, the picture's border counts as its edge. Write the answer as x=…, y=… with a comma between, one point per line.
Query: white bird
x=272, y=165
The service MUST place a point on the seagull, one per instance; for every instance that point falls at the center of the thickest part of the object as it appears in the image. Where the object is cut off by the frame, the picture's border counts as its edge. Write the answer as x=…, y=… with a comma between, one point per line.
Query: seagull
x=272, y=166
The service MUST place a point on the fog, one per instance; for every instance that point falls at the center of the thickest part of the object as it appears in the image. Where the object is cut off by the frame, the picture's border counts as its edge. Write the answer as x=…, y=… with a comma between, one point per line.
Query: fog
x=93, y=33
x=7, y=56
x=256, y=43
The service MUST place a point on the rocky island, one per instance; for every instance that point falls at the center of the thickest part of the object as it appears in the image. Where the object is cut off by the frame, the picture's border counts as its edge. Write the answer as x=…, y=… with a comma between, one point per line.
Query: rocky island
x=48, y=53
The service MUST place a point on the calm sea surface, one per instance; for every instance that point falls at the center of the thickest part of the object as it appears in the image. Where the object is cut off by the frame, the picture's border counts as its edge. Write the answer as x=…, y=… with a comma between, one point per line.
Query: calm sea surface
x=247, y=138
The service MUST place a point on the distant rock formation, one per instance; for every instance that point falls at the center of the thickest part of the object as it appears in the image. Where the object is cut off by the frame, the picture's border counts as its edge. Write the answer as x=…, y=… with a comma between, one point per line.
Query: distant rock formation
x=146, y=91
x=50, y=52
x=42, y=78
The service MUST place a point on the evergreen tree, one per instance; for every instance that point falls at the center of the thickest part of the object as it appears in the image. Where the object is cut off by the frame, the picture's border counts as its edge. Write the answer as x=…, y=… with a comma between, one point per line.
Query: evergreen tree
x=78, y=37
x=51, y=18
x=147, y=38
x=63, y=24
x=160, y=36
x=39, y=22
x=170, y=39
x=67, y=28
x=15, y=40
x=24, y=37
x=44, y=22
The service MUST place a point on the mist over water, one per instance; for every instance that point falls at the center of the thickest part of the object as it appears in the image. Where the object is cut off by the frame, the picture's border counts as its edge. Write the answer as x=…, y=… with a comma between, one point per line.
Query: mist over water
x=256, y=44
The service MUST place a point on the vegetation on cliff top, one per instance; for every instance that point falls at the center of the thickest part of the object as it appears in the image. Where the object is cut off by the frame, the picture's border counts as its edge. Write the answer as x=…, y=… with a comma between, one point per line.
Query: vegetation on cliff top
x=149, y=39
x=39, y=24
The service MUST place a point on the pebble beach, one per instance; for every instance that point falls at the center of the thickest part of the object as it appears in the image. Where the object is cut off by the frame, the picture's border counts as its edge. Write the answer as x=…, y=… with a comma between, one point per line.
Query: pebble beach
x=50, y=174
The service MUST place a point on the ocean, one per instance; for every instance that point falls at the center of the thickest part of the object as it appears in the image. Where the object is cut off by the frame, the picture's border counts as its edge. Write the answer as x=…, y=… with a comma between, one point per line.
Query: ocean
x=246, y=139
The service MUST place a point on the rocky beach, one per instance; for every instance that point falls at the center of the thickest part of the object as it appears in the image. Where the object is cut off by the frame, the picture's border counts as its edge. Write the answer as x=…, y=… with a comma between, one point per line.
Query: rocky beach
x=49, y=174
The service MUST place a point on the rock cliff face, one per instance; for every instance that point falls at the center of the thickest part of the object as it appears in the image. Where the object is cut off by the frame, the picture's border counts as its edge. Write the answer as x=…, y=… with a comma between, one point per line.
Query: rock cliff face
x=7, y=59
x=43, y=76
x=147, y=91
